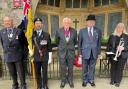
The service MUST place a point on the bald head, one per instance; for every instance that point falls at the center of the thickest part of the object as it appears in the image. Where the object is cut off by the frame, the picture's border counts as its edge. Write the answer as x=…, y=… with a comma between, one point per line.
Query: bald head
x=67, y=22
x=7, y=21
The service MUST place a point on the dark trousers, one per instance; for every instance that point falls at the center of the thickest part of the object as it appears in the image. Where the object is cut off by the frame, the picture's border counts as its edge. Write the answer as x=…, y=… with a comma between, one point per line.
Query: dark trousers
x=88, y=69
x=117, y=69
x=15, y=67
x=38, y=66
x=66, y=68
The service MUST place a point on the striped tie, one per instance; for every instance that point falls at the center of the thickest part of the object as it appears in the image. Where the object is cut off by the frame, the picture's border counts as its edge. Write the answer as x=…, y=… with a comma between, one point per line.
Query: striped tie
x=90, y=33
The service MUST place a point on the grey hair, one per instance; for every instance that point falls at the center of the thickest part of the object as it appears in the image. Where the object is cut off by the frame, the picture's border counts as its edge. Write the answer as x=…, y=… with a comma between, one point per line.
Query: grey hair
x=120, y=24
x=67, y=19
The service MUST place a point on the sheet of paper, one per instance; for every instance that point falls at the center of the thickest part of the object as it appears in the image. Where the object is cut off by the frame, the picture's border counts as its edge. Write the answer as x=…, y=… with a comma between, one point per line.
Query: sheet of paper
x=109, y=53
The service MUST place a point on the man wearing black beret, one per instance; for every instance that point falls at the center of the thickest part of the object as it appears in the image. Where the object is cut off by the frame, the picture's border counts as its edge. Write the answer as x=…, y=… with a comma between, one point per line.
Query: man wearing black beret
x=42, y=53
x=38, y=19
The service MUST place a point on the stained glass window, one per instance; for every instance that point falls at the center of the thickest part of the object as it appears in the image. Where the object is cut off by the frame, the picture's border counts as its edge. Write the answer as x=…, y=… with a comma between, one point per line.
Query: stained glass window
x=51, y=2
x=100, y=19
x=76, y=3
x=44, y=2
x=105, y=2
x=57, y=3
x=84, y=3
x=113, y=20
x=54, y=24
x=114, y=1
x=68, y=3
x=97, y=3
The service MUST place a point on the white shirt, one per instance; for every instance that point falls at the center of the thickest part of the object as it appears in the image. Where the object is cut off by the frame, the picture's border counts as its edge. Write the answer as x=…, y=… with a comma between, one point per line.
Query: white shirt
x=91, y=30
x=39, y=32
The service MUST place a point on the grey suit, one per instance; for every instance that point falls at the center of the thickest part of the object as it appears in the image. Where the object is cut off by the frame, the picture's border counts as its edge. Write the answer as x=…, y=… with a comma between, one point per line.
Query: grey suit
x=66, y=53
x=89, y=51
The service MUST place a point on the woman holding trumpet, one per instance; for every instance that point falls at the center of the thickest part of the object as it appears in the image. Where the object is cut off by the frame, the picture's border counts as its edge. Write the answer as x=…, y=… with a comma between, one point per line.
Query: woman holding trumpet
x=117, y=52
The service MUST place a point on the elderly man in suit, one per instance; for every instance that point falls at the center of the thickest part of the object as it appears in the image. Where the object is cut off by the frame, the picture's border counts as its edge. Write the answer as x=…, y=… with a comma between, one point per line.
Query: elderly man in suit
x=66, y=39
x=13, y=41
x=89, y=41
x=42, y=53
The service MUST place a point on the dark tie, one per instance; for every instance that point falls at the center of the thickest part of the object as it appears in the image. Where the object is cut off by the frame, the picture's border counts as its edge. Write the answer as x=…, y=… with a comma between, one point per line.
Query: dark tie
x=38, y=34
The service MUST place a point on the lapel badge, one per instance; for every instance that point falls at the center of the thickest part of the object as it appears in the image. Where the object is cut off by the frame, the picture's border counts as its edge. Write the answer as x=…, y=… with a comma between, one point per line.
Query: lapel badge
x=10, y=35
x=17, y=37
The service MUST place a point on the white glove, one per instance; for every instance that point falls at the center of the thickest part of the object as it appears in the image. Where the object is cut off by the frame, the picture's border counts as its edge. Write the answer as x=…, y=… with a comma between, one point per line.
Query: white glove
x=80, y=59
x=50, y=58
x=30, y=52
x=121, y=48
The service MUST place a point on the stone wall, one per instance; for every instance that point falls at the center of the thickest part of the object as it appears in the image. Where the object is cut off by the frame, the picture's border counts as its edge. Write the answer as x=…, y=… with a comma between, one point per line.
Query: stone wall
x=6, y=8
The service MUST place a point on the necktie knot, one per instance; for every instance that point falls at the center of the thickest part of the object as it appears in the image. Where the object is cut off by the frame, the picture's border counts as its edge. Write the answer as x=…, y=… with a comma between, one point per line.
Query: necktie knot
x=38, y=33
x=66, y=32
x=9, y=31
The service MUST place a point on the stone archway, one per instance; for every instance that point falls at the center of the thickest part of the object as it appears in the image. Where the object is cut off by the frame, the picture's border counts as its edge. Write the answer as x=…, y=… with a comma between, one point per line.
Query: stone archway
x=34, y=6
x=127, y=2
x=6, y=8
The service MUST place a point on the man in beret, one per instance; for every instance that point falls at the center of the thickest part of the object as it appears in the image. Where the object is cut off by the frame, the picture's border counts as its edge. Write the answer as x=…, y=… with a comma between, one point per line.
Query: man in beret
x=89, y=41
x=42, y=53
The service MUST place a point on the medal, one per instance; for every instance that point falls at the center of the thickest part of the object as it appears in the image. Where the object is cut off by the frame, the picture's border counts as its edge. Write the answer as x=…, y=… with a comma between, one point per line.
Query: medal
x=10, y=35
x=43, y=42
x=17, y=37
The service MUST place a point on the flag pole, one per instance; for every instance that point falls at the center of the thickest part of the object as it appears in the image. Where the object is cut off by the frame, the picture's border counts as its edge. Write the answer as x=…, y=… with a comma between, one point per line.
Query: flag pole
x=33, y=73
x=29, y=32
x=29, y=36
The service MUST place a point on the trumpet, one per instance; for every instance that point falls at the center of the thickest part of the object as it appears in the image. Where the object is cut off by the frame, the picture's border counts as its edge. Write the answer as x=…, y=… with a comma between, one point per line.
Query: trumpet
x=118, y=52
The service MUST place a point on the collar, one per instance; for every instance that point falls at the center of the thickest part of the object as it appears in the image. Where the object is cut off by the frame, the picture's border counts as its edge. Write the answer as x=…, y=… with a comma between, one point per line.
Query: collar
x=92, y=29
x=39, y=31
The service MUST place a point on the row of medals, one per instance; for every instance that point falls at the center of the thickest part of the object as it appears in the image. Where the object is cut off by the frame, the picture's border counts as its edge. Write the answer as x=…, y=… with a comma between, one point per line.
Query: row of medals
x=10, y=35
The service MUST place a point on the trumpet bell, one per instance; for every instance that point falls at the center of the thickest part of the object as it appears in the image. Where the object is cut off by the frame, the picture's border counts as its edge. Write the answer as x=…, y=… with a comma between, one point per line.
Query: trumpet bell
x=115, y=59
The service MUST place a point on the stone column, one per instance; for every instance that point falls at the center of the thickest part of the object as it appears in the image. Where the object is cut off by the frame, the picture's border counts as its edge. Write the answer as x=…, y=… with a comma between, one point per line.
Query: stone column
x=34, y=6
x=126, y=3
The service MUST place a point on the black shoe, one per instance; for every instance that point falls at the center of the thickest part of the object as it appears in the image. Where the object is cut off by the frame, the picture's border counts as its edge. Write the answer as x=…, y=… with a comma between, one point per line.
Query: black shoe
x=71, y=84
x=112, y=83
x=117, y=84
x=23, y=87
x=40, y=88
x=46, y=87
x=15, y=87
x=92, y=84
x=84, y=84
x=62, y=84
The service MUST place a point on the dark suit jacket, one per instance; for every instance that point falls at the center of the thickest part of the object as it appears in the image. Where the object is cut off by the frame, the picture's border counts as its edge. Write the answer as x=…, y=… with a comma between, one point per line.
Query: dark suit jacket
x=13, y=50
x=65, y=48
x=112, y=45
x=44, y=48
